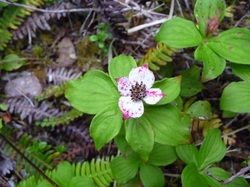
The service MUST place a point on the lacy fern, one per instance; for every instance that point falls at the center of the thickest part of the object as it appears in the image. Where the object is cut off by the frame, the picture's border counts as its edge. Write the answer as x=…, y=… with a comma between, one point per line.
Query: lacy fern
x=91, y=174
x=40, y=156
x=12, y=17
x=158, y=56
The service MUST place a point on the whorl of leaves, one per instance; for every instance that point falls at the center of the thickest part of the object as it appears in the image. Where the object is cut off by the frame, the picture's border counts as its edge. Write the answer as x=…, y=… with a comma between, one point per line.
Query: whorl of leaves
x=31, y=110
x=39, y=21
x=61, y=75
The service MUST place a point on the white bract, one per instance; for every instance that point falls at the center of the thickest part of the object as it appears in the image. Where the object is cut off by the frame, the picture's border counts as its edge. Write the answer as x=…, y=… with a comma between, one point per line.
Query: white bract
x=135, y=89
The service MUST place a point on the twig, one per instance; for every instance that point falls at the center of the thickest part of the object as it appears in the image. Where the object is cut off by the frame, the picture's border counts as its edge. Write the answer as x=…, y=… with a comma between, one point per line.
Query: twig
x=240, y=173
x=172, y=175
x=231, y=121
x=236, y=131
x=140, y=27
x=245, y=16
x=49, y=11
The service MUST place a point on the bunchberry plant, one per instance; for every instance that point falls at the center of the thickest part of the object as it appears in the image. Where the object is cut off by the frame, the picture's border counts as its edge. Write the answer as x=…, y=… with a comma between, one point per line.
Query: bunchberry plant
x=135, y=110
x=200, y=170
x=213, y=48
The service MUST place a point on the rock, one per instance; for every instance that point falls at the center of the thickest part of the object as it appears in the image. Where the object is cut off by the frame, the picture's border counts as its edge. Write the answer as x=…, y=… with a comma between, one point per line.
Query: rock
x=66, y=53
x=26, y=85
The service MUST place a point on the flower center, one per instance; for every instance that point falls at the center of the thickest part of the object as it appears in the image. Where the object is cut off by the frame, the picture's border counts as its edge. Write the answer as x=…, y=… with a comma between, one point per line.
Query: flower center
x=138, y=91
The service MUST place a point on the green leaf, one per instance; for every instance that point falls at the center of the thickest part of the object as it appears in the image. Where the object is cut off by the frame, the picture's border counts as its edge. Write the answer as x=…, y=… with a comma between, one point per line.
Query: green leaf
x=228, y=114
x=221, y=174
x=31, y=181
x=92, y=93
x=169, y=86
x=122, y=143
x=241, y=70
x=63, y=174
x=190, y=177
x=12, y=62
x=81, y=181
x=125, y=169
x=233, y=45
x=236, y=97
x=106, y=125
x=179, y=33
x=200, y=110
x=162, y=155
x=42, y=183
x=190, y=84
x=188, y=153
x=3, y=107
x=213, y=65
x=93, y=38
x=121, y=66
x=209, y=14
x=151, y=176
x=212, y=149
x=167, y=125
x=140, y=136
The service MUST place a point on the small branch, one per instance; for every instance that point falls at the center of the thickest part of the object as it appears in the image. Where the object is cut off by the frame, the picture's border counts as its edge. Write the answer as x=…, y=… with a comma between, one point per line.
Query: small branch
x=49, y=11
x=239, y=174
x=241, y=19
x=140, y=27
x=236, y=131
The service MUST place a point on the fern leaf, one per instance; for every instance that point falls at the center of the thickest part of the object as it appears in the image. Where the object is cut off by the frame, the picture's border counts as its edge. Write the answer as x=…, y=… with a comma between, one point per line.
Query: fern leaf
x=42, y=158
x=26, y=109
x=62, y=75
x=65, y=118
x=158, y=56
x=5, y=38
x=39, y=21
x=13, y=17
x=98, y=169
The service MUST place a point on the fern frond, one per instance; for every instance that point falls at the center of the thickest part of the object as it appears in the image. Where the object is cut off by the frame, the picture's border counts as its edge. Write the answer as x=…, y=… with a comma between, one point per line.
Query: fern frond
x=39, y=21
x=54, y=91
x=158, y=56
x=62, y=75
x=65, y=118
x=98, y=169
x=32, y=111
x=42, y=158
x=6, y=165
x=13, y=17
x=5, y=38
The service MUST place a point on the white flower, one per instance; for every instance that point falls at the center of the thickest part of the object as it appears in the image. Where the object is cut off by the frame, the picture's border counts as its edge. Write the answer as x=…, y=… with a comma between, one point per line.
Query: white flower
x=135, y=89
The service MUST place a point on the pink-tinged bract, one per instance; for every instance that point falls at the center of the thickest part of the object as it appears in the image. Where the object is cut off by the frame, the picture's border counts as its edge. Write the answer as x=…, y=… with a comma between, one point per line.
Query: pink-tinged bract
x=154, y=95
x=138, y=79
